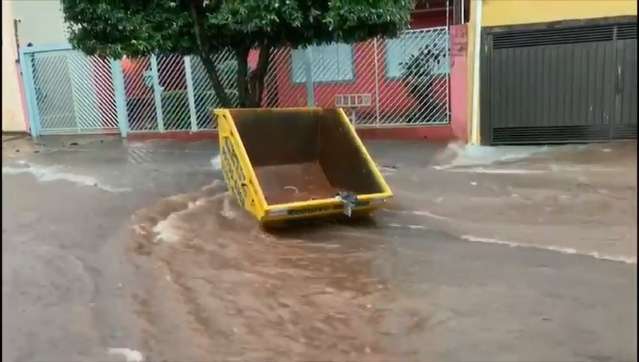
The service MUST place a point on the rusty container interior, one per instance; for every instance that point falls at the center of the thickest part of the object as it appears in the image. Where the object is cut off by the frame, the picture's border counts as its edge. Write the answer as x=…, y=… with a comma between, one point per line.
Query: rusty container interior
x=302, y=155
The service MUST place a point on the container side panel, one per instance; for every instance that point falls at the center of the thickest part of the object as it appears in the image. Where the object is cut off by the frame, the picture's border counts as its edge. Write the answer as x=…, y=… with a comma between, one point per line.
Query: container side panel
x=344, y=165
x=273, y=137
x=236, y=174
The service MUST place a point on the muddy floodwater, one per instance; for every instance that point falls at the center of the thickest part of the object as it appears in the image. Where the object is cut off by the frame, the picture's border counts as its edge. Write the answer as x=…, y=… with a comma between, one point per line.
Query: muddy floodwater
x=135, y=251
x=245, y=292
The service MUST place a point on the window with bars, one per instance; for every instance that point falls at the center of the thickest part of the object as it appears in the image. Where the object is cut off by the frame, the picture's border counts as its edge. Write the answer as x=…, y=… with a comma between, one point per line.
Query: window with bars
x=431, y=47
x=329, y=63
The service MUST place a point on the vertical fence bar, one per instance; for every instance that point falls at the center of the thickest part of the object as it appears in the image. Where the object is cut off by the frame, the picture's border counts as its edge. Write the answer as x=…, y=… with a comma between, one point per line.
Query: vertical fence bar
x=463, y=18
x=449, y=70
x=308, y=70
x=157, y=92
x=117, y=77
x=376, y=55
x=76, y=105
x=26, y=64
x=189, y=92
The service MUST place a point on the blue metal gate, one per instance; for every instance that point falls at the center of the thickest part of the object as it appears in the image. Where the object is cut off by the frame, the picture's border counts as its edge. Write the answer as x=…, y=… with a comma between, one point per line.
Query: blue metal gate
x=68, y=92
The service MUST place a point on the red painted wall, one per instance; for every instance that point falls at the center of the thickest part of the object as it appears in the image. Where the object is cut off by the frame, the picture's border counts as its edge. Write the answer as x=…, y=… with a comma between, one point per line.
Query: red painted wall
x=171, y=74
x=281, y=92
x=139, y=97
x=394, y=98
x=429, y=19
x=133, y=70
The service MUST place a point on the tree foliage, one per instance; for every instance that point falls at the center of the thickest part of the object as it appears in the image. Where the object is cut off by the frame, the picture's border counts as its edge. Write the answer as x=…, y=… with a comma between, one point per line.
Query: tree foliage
x=206, y=27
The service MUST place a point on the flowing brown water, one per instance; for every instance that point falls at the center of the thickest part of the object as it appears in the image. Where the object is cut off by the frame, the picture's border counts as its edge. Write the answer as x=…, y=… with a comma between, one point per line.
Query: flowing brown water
x=305, y=294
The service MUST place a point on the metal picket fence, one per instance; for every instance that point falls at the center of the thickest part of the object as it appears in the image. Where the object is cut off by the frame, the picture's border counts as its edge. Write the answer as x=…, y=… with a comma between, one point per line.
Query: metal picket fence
x=68, y=92
x=381, y=83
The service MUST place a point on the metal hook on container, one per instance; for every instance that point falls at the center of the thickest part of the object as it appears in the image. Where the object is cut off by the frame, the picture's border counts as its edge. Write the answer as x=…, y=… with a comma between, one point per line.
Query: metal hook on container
x=349, y=200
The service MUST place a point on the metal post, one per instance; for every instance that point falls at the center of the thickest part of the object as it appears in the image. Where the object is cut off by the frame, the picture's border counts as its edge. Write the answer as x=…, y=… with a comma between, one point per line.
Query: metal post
x=189, y=92
x=308, y=70
x=157, y=93
x=376, y=84
x=16, y=37
x=462, y=12
x=475, y=119
x=448, y=67
x=26, y=65
x=117, y=77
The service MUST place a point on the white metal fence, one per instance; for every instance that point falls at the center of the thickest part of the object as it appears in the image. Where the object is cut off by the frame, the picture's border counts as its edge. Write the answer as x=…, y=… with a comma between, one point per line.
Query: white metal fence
x=381, y=82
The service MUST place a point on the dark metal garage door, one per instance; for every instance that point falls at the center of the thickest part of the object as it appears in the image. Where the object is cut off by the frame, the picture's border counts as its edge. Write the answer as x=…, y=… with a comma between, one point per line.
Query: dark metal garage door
x=555, y=83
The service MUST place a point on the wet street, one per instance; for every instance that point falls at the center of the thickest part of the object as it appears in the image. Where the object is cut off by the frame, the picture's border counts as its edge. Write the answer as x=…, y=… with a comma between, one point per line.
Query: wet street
x=134, y=251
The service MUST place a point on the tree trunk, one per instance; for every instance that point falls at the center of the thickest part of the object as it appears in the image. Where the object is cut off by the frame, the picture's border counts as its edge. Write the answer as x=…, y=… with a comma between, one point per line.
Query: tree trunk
x=206, y=53
x=256, y=79
x=250, y=87
x=241, y=56
x=218, y=87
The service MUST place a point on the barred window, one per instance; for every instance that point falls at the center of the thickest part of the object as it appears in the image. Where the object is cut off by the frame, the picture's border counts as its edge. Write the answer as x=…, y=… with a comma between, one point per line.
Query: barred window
x=329, y=63
x=430, y=46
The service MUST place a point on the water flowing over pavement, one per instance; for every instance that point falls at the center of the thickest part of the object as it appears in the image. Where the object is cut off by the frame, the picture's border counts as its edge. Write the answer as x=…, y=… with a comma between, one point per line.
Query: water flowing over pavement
x=116, y=251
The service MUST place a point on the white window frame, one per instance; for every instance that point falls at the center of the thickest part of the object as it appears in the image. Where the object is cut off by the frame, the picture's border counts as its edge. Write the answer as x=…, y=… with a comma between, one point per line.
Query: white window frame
x=332, y=63
x=400, y=49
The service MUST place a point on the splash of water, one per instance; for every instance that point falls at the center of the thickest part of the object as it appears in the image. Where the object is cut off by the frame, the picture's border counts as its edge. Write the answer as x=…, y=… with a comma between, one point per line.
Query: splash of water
x=130, y=355
x=216, y=162
x=48, y=174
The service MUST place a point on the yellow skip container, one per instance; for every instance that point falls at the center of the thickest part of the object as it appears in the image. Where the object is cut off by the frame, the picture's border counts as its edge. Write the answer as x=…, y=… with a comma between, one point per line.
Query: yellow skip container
x=297, y=163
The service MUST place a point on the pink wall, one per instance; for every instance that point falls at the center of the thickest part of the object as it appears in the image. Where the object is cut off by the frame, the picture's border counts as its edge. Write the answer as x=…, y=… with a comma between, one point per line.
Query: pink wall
x=23, y=98
x=458, y=81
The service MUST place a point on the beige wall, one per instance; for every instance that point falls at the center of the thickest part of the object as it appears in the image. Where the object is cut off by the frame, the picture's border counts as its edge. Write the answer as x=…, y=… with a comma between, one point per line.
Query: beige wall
x=42, y=21
x=13, y=119
x=513, y=12
x=510, y=12
x=472, y=138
